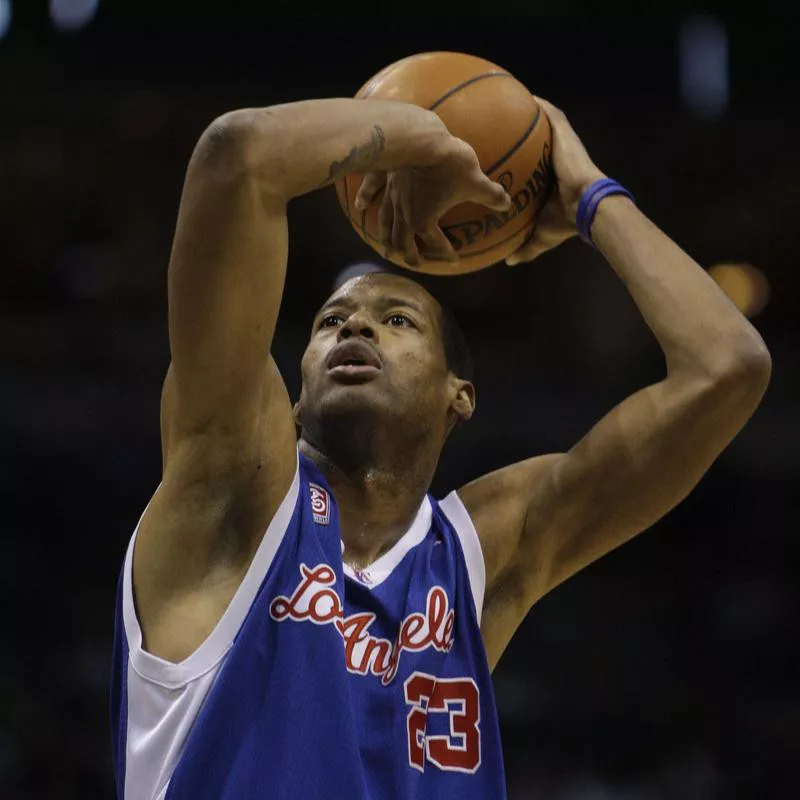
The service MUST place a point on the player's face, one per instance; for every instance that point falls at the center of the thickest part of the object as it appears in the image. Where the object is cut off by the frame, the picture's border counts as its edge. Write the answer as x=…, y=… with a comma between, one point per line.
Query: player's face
x=376, y=345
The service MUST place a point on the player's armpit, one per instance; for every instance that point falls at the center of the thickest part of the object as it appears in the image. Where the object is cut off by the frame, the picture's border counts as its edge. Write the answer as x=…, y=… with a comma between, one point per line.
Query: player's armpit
x=562, y=512
x=498, y=506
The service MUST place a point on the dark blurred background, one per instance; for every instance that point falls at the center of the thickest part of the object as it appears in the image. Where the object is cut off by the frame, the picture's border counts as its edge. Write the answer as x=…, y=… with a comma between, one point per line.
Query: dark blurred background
x=667, y=670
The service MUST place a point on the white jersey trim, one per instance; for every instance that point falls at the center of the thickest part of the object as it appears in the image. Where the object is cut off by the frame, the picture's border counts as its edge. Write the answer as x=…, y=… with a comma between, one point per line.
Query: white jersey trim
x=455, y=510
x=380, y=569
x=172, y=675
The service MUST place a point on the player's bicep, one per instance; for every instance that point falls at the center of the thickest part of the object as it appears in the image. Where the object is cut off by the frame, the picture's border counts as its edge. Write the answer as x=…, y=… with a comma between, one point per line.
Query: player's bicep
x=632, y=467
x=225, y=283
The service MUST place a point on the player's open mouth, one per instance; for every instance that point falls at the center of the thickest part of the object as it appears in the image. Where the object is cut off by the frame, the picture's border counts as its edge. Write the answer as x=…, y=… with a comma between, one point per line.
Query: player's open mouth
x=354, y=361
x=358, y=372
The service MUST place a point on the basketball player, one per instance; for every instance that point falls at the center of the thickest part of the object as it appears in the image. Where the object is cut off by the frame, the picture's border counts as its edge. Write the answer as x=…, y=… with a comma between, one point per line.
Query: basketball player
x=301, y=619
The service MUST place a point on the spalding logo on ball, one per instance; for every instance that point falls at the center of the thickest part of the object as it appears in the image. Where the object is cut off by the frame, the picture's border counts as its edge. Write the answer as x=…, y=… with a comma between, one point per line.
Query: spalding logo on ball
x=486, y=106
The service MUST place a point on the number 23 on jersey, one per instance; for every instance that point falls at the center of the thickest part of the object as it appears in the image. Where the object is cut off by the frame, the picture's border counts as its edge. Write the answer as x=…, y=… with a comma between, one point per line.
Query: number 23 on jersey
x=459, y=698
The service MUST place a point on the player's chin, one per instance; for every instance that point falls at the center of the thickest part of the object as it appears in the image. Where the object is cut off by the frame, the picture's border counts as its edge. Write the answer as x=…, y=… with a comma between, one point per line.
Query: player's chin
x=345, y=396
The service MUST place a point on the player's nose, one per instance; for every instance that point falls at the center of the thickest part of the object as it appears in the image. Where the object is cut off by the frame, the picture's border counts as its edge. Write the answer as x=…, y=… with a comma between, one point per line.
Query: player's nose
x=358, y=324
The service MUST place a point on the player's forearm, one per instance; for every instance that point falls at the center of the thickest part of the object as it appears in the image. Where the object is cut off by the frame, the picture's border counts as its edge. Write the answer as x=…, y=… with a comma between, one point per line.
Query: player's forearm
x=699, y=329
x=298, y=147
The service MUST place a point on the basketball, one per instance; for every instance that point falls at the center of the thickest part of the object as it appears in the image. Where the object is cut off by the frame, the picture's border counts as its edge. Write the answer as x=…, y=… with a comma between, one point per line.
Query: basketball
x=487, y=107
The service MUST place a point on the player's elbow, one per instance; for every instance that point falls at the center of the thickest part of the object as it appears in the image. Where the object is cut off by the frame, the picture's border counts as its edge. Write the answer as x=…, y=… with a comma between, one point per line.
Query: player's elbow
x=238, y=143
x=744, y=373
x=749, y=362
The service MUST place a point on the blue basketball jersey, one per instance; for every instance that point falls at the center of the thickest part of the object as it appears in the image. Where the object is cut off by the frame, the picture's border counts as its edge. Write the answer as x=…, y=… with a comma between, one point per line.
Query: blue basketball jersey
x=321, y=682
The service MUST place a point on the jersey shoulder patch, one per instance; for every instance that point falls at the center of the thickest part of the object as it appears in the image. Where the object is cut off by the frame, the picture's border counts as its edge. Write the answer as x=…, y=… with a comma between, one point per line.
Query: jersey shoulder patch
x=320, y=504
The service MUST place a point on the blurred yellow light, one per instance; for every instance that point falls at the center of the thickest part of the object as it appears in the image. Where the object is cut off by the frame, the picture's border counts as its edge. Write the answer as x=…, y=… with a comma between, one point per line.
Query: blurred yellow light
x=746, y=285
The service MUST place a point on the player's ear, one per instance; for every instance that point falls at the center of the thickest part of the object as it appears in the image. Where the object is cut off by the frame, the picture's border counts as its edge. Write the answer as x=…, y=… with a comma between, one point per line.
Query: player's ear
x=463, y=402
x=296, y=414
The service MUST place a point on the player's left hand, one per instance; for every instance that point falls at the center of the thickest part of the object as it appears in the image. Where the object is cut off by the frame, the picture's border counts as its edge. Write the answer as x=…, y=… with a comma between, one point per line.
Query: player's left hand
x=574, y=172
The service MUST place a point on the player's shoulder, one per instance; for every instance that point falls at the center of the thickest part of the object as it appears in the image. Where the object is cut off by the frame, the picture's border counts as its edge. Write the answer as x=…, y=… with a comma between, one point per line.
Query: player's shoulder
x=498, y=504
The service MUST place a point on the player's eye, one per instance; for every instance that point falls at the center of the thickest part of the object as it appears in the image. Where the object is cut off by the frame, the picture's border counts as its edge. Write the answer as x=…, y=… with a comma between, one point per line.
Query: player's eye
x=399, y=321
x=331, y=321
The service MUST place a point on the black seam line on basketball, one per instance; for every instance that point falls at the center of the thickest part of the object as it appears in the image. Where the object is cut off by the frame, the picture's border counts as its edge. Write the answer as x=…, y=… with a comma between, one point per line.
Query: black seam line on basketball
x=531, y=128
x=461, y=86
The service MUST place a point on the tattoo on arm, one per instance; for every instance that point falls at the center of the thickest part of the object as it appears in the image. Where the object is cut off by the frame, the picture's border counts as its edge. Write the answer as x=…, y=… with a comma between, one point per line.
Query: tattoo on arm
x=360, y=157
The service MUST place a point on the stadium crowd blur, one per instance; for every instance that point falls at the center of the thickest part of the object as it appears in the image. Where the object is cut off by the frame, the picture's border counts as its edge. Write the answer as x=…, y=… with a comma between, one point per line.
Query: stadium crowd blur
x=667, y=670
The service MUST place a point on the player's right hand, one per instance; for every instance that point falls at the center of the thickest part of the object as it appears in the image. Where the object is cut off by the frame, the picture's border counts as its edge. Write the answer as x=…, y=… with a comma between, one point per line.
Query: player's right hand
x=574, y=172
x=416, y=198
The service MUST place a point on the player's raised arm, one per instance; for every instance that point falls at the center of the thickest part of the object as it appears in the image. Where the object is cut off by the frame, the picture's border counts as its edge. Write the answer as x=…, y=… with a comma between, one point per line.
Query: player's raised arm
x=229, y=256
x=544, y=519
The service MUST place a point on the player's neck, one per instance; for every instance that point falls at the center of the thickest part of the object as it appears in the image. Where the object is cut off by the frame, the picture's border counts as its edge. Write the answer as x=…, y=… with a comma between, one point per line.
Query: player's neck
x=377, y=500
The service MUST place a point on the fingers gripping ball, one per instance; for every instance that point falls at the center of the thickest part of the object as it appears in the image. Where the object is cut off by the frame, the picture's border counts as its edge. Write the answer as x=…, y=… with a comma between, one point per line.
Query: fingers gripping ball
x=487, y=107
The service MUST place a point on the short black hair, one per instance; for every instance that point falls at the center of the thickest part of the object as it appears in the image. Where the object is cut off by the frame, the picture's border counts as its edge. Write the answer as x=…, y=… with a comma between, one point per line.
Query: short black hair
x=456, y=348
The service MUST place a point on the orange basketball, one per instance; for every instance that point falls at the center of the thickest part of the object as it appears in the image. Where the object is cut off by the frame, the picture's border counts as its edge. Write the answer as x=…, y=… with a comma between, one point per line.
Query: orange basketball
x=487, y=107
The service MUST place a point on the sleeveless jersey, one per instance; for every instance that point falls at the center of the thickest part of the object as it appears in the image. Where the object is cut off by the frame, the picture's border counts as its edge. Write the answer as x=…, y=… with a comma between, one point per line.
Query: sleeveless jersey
x=320, y=682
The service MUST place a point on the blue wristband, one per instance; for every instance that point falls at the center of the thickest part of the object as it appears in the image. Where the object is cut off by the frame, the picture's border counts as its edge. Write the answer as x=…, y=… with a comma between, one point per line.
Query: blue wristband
x=590, y=200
